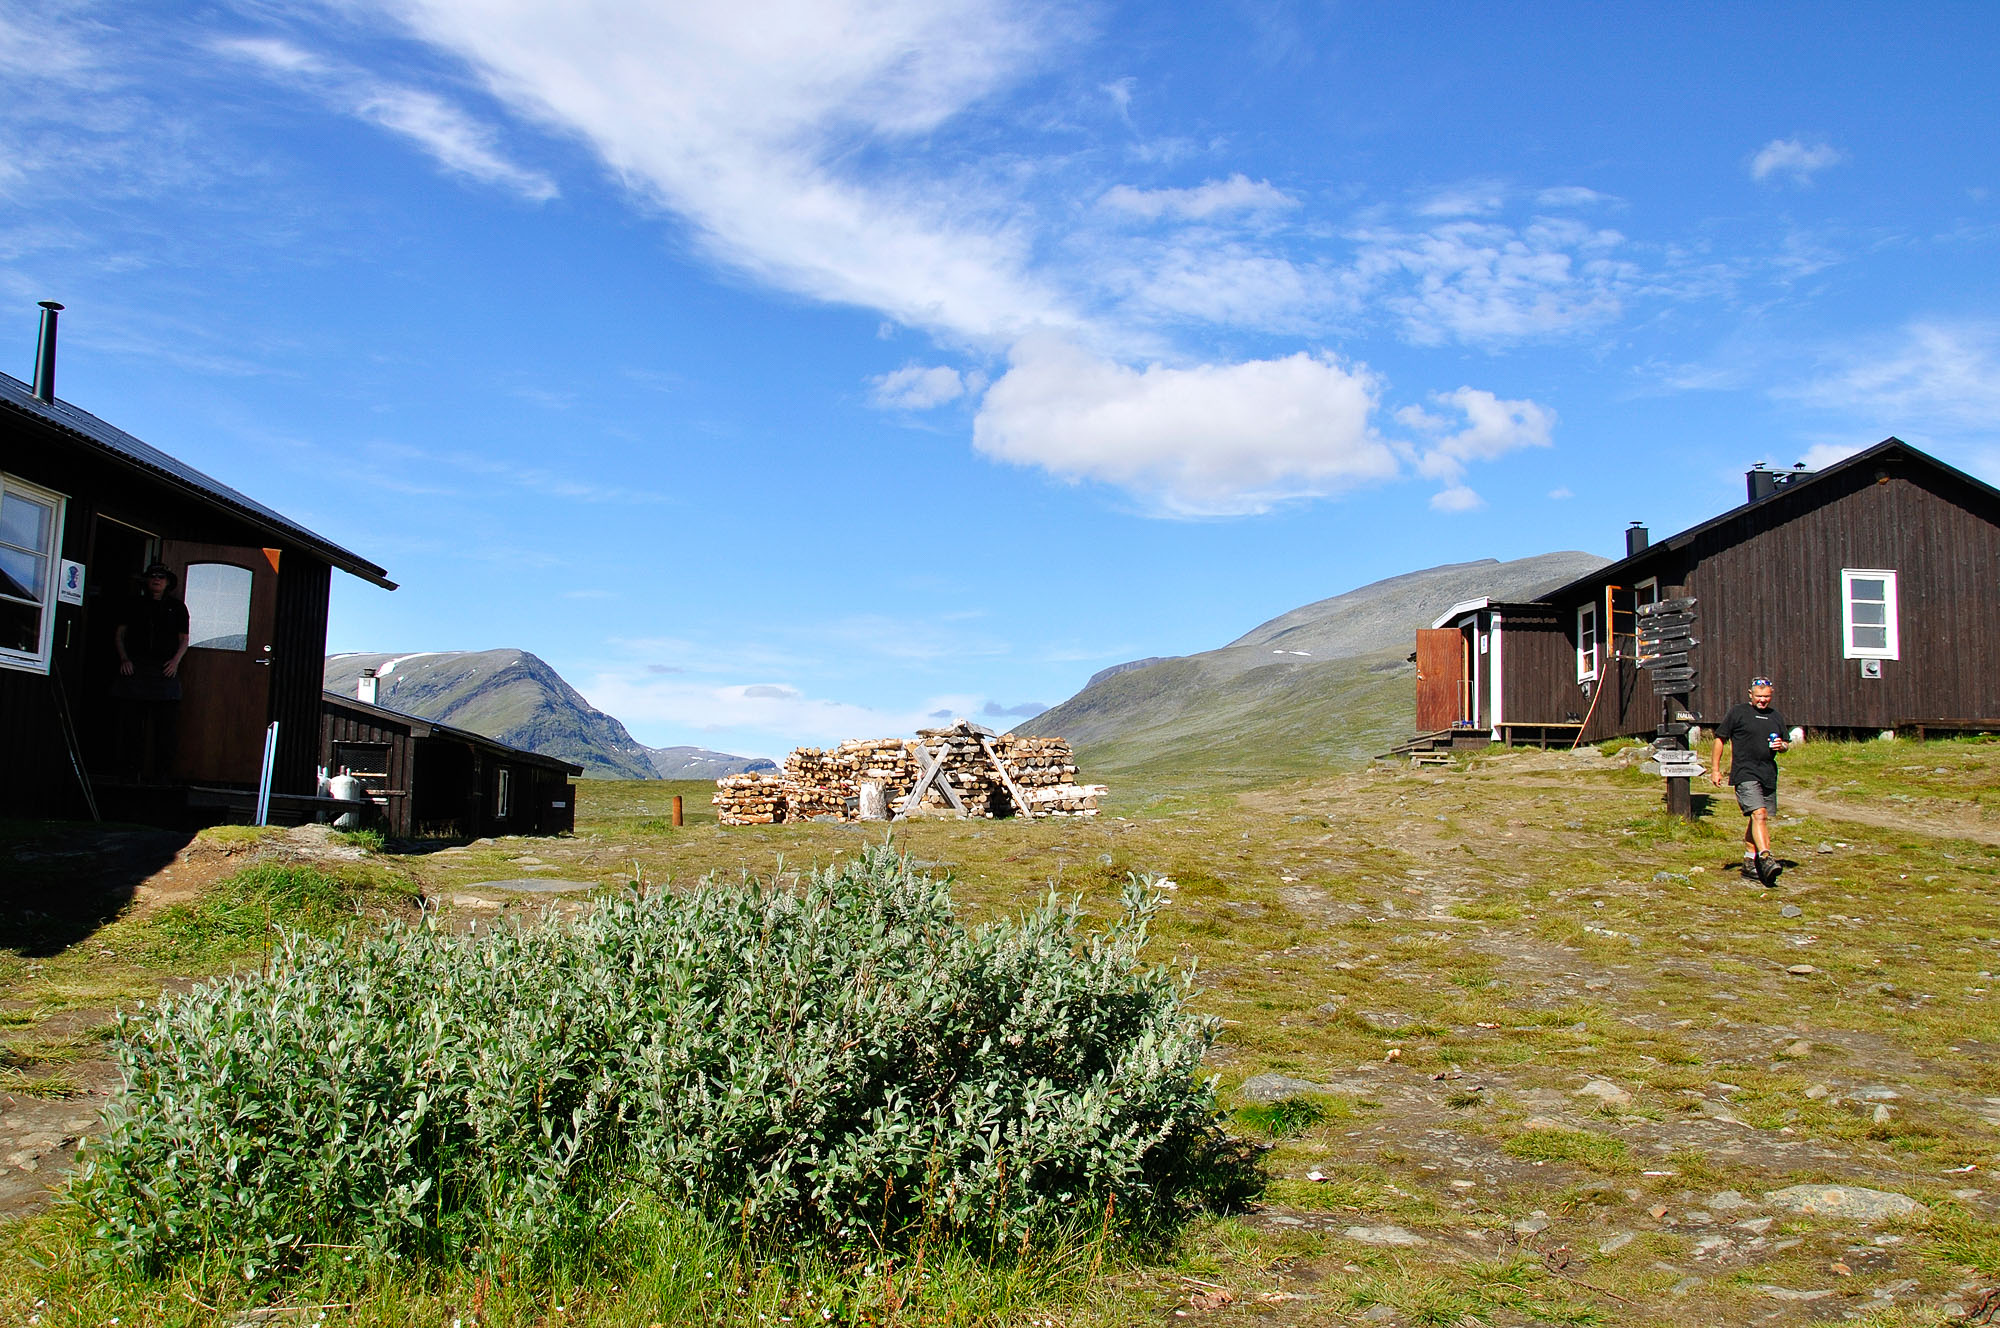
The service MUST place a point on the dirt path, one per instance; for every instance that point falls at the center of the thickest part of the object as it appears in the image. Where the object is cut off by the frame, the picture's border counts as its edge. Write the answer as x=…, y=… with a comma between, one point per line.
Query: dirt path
x=1882, y=818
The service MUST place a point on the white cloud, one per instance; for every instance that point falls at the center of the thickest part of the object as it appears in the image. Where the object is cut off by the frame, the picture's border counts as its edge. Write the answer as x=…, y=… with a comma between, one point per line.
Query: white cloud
x=915, y=387
x=451, y=137
x=1205, y=440
x=1561, y=493
x=1572, y=196
x=1457, y=498
x=772, y=716
x=746, y=120
x=1493, y=428
x=1821, y=455
x=1793, y=159
x=1929, y=377
x=1468, y=200
x=1485, y=282
x=1238, y=193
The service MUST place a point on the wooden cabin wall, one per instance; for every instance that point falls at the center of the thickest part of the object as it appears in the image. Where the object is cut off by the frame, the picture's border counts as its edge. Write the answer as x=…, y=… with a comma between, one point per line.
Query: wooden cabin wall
x=340, y=725
x=1770, y=600
x=1538, y=671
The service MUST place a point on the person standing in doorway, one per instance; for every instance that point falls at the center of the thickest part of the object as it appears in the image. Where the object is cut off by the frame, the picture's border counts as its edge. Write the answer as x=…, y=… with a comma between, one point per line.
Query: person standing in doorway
x=1756, y=734
x=152, y=636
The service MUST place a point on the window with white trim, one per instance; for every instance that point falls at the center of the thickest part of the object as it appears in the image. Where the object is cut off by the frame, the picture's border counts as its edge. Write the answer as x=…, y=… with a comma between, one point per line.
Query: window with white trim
x=1646, y=592
x=503, y=794
x=1586, y=643
x=1868, y=628
x=31, y=525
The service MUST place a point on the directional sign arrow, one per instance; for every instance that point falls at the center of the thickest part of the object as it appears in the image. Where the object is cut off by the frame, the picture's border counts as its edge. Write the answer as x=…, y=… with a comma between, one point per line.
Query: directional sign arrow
x=1680, y=605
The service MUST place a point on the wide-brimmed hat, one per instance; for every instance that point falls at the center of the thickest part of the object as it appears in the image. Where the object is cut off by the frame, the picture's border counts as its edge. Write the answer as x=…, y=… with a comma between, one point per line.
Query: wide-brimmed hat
x=160, y=569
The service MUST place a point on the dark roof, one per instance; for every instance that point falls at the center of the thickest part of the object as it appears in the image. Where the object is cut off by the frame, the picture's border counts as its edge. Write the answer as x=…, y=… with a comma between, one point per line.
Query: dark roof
x=122, y=448
x=1887, y=447
x=424, y=728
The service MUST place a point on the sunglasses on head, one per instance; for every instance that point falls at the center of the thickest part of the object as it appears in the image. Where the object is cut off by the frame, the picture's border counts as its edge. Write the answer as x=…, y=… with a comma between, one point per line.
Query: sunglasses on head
x=1760, y=682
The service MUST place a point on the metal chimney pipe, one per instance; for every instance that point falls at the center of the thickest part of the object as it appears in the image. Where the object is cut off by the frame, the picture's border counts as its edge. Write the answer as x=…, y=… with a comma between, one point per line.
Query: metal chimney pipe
x=1637, y=537
x=364, y=687
x=45, y=354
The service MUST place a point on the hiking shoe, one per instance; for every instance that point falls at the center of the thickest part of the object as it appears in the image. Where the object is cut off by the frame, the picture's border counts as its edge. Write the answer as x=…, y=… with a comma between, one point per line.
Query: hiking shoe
x=1768, y=869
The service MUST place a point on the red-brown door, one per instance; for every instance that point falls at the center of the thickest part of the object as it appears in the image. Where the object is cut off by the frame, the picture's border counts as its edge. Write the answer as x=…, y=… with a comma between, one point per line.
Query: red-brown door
x=1440, y=670
x=232, y=600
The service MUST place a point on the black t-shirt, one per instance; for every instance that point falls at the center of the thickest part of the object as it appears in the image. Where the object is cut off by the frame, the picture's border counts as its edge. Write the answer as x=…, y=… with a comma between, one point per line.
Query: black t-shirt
x=1749, y=731
x=153, y=629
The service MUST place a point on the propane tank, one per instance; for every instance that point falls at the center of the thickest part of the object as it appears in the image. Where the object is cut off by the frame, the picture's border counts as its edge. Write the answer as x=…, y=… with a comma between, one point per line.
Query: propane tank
x=346, y=788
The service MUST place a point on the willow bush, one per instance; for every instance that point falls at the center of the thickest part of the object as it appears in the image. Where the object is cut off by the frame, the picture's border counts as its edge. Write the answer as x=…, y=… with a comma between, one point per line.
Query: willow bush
x=835, y=1063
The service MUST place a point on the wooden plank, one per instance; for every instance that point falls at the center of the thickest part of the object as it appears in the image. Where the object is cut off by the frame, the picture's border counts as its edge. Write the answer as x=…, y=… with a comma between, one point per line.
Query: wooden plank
x=1678, y=659
x=1664, y=606
x=929, y=769
x=1013, y=789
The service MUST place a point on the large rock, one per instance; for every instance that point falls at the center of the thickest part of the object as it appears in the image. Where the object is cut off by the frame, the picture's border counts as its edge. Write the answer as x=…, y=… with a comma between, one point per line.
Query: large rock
x=1385, y=1235
x=1851, y=1202
x=1277, y=1087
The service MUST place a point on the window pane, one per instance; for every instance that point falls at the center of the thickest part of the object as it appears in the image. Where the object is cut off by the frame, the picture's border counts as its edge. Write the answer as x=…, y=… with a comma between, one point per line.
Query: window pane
x=1867, y=587
x=218, y=604
x=1871, y=615
x=20, y=627
x=25, y=522
x=1871, y=638
x=21, y=574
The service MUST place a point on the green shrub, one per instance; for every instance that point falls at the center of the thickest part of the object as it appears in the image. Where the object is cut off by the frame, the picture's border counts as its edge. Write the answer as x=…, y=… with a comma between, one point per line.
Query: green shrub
x=1286, y=1118
x=842, y=1064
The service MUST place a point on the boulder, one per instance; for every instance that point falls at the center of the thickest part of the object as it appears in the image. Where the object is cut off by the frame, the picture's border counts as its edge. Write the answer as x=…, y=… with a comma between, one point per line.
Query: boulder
x=1854, y=1203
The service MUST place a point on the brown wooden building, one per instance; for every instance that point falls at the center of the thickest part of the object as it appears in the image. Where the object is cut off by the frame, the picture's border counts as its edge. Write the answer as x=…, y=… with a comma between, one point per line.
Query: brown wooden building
x=1869, y=592
x=426, y=778
x=84, y=507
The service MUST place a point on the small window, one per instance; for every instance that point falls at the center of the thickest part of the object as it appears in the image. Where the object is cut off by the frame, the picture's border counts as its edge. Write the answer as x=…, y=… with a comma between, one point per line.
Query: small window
x=503, y=794
x=31, y=522
x=1646, y=592
x=218, y=605
x=1868, y=628
x=1586, y=643
x=366, y=761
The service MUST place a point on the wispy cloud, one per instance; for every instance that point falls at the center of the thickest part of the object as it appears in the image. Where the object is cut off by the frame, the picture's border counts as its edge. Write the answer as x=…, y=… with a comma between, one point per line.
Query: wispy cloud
x=920, y=387
x=1235, y=195
x=1793, y=159
x=438, y=127
x=1492, y=429
x=1934, y=376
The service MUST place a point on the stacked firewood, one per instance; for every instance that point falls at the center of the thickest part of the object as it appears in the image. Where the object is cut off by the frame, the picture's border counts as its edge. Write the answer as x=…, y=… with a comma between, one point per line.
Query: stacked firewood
x=826, y=782
x=749, y=800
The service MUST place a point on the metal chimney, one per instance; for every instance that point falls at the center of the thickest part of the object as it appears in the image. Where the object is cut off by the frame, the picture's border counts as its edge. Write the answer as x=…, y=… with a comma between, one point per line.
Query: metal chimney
x=364, y=687
x=1762, y=483
x=1637, y=537
x=45, y=354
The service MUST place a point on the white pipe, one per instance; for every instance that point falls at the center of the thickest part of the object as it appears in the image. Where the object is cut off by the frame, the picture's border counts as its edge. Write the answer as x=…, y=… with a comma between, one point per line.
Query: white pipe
x=264, y=781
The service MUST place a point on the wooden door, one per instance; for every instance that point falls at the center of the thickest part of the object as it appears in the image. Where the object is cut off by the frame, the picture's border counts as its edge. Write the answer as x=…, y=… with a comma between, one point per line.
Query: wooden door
x=1440, y=670
x=232, y=599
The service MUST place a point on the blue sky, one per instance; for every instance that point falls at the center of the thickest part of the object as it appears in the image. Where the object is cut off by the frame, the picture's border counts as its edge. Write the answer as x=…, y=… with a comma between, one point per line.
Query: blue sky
x=785, y=372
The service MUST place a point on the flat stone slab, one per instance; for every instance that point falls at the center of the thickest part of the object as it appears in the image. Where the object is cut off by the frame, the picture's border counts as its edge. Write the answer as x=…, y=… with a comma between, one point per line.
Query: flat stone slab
x=1278, y=1087
x=1853, y=1202
x=1389, y=1235
x=543, y=885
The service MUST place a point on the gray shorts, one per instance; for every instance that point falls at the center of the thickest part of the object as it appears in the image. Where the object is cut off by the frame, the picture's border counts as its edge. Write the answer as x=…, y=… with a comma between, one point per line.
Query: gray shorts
x=1751, y=795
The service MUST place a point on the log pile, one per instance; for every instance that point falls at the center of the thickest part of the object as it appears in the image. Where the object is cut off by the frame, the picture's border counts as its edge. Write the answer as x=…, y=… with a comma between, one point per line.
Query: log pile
x=992, y=774
x=749, y=800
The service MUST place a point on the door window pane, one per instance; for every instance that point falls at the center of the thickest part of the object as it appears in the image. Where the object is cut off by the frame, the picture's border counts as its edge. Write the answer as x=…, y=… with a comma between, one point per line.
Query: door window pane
x=20, y=626
x=21, y=574
x=218, y=605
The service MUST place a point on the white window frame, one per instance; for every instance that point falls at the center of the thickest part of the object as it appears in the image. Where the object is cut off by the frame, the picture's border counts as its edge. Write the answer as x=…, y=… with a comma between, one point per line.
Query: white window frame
x=1848, y=650
x=503, y=794
x=1588, y=661
x=1639, y=599
x=37, y=661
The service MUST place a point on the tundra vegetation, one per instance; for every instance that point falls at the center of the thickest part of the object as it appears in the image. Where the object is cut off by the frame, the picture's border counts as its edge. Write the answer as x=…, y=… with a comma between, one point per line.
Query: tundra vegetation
x=1513, y=1047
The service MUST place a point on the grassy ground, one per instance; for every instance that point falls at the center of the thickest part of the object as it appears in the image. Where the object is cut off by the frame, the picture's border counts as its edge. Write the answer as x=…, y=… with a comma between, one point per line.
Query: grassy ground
x=1549, y=1052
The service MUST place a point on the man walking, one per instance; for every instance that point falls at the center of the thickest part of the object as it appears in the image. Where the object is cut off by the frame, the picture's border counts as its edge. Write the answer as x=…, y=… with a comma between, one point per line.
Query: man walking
x=1756, y=734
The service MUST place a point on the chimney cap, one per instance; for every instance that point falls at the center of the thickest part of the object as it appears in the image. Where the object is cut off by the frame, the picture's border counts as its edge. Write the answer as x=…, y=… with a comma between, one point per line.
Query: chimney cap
x=50, y=304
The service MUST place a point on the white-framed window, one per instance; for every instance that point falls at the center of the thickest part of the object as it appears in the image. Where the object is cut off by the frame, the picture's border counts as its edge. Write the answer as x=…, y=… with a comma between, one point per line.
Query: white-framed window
x=31, y=526
x=1586, y=643
x=1868, y=628
x=1646, y=592
x=503, y=793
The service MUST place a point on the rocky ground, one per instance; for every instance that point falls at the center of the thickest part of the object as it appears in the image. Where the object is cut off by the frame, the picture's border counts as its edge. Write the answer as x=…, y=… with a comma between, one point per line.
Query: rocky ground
x=1523, y=1049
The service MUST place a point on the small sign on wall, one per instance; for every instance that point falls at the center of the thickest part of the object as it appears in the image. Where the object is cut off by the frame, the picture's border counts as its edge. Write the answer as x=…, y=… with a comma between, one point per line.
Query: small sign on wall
x=1871, y=668
x=69, y=586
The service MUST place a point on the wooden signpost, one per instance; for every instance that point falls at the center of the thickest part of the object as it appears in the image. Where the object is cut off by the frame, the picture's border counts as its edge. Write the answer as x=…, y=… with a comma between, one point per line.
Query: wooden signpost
x=1666, y=642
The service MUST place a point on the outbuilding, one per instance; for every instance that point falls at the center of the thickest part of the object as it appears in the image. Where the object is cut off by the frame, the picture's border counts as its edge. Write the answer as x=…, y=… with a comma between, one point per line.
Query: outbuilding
x=429, y=779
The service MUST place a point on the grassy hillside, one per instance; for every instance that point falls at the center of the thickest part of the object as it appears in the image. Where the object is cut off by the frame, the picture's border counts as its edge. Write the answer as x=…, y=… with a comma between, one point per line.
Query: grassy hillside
x=1322, y=687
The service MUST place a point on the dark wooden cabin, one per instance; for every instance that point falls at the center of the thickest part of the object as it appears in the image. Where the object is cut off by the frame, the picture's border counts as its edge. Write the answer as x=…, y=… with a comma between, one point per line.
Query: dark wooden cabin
x=426, y=778
x=1869, y=592
x=84, y=507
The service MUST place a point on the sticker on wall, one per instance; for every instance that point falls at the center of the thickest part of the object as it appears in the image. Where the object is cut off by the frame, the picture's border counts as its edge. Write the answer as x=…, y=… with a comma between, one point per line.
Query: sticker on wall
x=69, y=587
